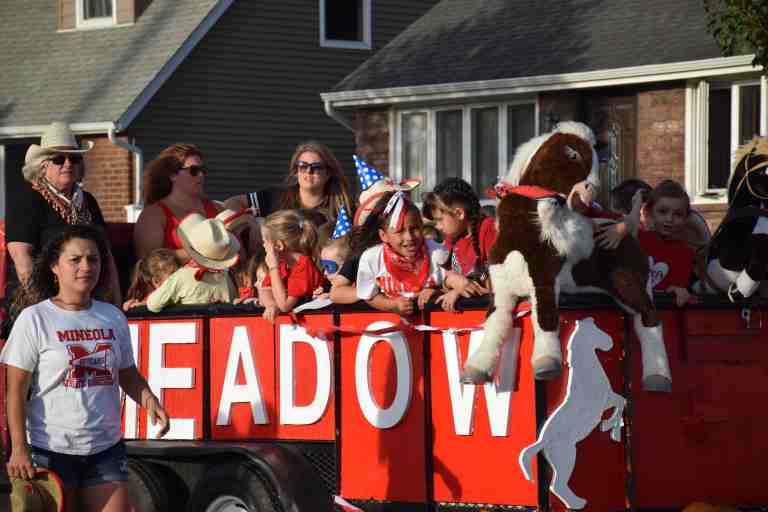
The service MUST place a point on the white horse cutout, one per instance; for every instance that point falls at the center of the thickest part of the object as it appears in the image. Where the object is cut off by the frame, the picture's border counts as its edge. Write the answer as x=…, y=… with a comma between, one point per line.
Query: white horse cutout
x=589, y=394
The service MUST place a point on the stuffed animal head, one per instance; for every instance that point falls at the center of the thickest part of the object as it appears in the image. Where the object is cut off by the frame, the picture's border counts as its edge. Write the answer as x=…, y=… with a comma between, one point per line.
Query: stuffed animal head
x=563, y=160
x=748, y=183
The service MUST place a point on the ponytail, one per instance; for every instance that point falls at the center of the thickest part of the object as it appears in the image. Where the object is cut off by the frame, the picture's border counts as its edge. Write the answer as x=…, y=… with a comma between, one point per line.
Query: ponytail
x=141, y=283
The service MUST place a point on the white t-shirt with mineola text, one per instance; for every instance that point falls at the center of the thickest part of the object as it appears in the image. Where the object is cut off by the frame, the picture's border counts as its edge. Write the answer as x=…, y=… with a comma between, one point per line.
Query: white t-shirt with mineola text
x=74, y=358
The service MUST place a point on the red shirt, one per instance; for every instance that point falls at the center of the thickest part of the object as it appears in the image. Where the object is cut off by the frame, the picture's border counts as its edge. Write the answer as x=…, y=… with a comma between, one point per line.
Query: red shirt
x=671, y=261
x=300, y=280
x=463, y=256
x=171, y=238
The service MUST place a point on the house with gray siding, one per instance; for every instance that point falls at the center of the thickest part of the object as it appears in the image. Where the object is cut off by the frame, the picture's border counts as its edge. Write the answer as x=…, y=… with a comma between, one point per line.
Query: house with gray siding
x=458, y=90
x=240, y=79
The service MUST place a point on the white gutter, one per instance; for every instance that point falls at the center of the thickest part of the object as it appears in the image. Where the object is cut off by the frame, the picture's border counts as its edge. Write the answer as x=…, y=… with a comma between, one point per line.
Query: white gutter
x=532, y=84
x=132, y=210
x=337, y=116
x=19, y=132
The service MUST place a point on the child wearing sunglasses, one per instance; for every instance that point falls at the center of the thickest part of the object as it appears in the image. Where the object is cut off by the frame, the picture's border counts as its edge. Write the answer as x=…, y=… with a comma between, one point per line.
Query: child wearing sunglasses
x=290, y=242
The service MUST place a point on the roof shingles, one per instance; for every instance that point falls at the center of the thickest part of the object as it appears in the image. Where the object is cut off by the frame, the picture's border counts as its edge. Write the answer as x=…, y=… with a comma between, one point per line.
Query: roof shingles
x=84, y=76
x=470, y=40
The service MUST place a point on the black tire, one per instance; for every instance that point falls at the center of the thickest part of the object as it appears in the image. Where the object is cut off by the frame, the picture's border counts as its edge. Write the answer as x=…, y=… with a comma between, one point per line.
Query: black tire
x=233, y=482
x=146, y=487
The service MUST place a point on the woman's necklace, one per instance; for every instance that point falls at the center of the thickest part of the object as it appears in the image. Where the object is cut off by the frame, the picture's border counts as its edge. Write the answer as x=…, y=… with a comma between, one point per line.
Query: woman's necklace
x=71, y=306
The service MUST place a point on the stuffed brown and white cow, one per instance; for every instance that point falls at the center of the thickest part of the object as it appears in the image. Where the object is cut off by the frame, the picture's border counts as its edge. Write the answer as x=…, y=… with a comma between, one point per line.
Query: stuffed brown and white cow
x=545, y=246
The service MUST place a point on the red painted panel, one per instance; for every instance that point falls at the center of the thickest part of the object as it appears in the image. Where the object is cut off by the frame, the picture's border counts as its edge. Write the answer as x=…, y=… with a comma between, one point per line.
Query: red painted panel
x=599, y=475
x=705, y=440
x=179, y=403
x=305, y=379
x=480, y=468
x=381, y=463
x=260, y=335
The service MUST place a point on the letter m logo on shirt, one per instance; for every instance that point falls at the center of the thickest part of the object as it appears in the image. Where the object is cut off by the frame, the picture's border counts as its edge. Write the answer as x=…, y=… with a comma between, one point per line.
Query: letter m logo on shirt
x=89, y=368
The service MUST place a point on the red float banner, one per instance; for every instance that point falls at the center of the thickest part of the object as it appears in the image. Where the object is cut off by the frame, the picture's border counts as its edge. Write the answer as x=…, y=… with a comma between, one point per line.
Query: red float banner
x=479, y=431
x=169, y=353
x=382, y=424
x=706, y=440
x=271, y=381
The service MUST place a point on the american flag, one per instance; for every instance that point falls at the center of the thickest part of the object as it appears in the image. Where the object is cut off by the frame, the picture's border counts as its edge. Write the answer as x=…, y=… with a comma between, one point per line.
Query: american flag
x=342, y=225
x=367, y=174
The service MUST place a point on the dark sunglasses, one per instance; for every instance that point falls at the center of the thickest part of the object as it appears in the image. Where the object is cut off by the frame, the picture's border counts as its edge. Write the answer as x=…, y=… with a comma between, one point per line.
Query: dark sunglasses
x=194, y=170
x=74, y=159
x=329, y=266
x=310, y=168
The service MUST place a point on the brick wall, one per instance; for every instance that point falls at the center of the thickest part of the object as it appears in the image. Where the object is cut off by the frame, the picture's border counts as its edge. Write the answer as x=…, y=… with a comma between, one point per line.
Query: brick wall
x=372, y=137
x=661, y=135
x=108, y=177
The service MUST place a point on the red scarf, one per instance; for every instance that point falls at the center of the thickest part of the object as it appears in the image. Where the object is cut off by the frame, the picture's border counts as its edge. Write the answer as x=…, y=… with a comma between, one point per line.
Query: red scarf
x=201, y=270
x=412, y=274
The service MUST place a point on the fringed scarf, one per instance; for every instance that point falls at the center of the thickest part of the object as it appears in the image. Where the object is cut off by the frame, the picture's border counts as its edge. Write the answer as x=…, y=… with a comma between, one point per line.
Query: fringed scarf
x=73, y=210
x=409, y=275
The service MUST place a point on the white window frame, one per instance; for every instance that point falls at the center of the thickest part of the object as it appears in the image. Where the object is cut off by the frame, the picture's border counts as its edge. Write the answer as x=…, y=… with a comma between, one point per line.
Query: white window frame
x=364, y=44
x=697, y=132
x=430, y=175
x=84, y=24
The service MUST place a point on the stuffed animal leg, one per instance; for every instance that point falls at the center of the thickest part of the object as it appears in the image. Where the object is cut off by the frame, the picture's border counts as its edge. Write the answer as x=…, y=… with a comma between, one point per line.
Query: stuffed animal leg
x=480, y=367
x=656, y=374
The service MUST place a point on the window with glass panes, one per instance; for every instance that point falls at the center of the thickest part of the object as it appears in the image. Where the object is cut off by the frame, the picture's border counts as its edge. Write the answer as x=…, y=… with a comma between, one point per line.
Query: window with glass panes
x=345, y=23
x=474, y=142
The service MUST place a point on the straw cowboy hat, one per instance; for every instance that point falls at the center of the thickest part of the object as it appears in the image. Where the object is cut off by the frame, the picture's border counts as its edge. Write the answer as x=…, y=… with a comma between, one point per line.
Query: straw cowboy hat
x=235, y=222
x=208, y=242
x=44, y=493
x=57, y=138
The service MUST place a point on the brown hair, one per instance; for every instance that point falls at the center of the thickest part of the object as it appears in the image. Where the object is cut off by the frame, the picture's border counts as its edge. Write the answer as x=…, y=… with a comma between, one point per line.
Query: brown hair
x=157, y=175
x=336, y=188
x=669, y=189
x=159, y=261
x=245, y=273
x=340, y=244
x=297, y=232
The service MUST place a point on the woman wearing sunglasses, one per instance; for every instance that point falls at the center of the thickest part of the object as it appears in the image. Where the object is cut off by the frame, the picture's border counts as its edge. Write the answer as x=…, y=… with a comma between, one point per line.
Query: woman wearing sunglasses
x=51, y=199
x=173, y=189
x=315, y=181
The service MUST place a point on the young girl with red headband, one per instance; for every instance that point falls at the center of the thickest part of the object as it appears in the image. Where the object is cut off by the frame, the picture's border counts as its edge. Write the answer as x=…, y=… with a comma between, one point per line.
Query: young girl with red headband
x=404, y=267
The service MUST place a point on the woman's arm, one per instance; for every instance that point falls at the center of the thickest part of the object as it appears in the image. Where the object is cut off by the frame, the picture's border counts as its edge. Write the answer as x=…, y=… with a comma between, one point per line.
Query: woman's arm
x=136, y=387
x=21, y=254
x=17, y=381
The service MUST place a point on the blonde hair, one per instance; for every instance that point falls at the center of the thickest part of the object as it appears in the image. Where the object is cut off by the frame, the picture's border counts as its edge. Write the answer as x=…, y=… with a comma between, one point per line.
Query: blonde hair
x=297, y=232
x=157, y=263
x=341, y=245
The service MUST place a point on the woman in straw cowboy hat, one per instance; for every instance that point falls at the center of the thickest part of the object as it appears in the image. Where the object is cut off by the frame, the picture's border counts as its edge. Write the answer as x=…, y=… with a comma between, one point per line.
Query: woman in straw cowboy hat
x=173, y=189
x=52, y=199
x=67, y=358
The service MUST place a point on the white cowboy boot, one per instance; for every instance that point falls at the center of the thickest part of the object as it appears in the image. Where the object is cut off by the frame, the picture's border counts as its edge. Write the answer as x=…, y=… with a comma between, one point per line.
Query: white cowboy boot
x=656, y=374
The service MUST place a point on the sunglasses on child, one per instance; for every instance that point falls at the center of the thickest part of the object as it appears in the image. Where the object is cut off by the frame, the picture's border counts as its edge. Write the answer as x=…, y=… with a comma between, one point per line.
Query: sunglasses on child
x=329, y=266
x=74, y=159
x=310, y=168
x=194, y=170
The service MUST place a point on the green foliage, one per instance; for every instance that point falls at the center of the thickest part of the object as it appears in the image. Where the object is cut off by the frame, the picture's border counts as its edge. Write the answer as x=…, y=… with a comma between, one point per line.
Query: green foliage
x=740, y=27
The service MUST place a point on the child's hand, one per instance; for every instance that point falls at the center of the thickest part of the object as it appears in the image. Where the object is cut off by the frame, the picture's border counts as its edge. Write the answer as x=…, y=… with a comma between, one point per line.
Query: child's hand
x=270, y=313
x=318, y=293
x=247, y=300
x=424, y=296
x=271, y=257
x=133, y=303
x=609, y=236
x=448, y=300
x=682, y=296
x=404, y=306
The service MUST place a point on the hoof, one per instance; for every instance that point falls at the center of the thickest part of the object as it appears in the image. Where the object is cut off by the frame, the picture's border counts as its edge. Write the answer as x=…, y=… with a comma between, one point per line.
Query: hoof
x=657, y=383
x=734, y=295
x=547, y=368
x=472, y=375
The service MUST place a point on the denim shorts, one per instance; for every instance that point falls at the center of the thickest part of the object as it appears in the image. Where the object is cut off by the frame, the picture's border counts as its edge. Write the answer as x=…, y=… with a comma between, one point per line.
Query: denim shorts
x=110, y=465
